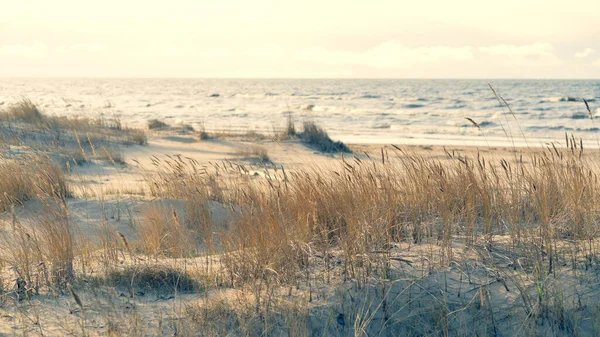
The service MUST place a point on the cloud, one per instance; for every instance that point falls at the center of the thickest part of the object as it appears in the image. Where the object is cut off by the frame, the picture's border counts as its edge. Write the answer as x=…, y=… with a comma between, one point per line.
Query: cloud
x=585, y=53
x=514, y=50
x=269, y=51
x=80, y=48
x=535, y=54
x=36, y=50
x=213, y=53
x=394, y=55
x=390, y=54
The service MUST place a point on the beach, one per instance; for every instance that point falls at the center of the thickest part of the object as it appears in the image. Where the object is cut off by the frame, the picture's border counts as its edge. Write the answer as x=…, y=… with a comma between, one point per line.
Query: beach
x=112, y=230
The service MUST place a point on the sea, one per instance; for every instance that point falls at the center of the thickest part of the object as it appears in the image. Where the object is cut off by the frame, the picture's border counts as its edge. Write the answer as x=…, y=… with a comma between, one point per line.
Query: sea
x=375, y=111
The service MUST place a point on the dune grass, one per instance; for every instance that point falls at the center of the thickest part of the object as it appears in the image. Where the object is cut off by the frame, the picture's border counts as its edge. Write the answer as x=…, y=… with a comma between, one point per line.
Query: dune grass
x=312, y=135
x=390, y=244
x=520, y=223
x=156, y=124
x=41, y=257
x=165, y=279
x=25, y=110
x=27, y=177
x=315, y=137
x=23, y=123
x=256, y=152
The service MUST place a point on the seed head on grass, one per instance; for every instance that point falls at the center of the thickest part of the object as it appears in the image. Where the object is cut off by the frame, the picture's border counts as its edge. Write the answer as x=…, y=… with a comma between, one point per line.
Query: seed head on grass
x=587, y=106
x=75, y=296
x=473, y=122
x=125, y=243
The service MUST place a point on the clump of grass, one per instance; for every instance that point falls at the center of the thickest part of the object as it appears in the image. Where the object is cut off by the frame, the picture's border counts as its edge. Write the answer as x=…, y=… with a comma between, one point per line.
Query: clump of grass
x=162, y=232
x=50, y=245
x=242, y=135
x=156, y=278
x=113, y=155
x=249, y=135
x=42, y=255
x=87, y=152
x=58, y=243
x=56, y=130
x=74, y=156
x=156, y=124
x=254, y=152
x=25, y=110
x=202, y=134
x=254, y=135
x=136, y=136
x=290, y=129
x=239, y=316
x=315, y=137
x=187, y=128
x=30, y=176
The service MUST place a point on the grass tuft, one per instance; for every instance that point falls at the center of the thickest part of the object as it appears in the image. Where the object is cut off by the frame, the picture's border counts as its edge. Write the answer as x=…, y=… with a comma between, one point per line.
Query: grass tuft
x=254, y=152
x=315, y=137
x=25, y=110
x=28, y=177
x=156, y=124
x=156, y=278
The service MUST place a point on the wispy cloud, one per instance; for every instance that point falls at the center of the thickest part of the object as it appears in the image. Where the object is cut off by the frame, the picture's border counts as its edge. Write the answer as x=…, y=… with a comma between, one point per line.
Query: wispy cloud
x=268, y=51
x=535, y=54
x=91, y=47
x=395, y=55
x=519, y=50
x=585, y=53
x=34, y=51
x=390, y=54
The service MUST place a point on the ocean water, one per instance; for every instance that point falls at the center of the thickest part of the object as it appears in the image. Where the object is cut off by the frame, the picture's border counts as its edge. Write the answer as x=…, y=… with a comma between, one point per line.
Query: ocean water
x=426, y=112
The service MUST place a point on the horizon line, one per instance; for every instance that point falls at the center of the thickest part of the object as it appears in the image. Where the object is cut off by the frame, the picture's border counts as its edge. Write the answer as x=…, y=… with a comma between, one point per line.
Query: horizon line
x=304, y=78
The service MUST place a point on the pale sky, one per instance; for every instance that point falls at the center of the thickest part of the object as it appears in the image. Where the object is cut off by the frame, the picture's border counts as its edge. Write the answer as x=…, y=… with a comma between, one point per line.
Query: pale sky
x=306, y=38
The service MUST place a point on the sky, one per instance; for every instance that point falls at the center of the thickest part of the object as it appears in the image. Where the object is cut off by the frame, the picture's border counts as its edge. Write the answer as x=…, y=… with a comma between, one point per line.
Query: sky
x=301, y=39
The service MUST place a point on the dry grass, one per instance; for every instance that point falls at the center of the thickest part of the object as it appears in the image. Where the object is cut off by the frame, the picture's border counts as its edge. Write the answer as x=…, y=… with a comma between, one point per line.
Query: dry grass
x=163, y=233
x=151, y=278
x=535, y=215
x=26, y=111
x=202, y=134
x=290, y=128
x=40, y=256
x=156, y=124
x=395, y=244
x=24, y=124
x=29, y=176
x=79, y=156
x=255, y=152
x=380, y=245
x=315, y=137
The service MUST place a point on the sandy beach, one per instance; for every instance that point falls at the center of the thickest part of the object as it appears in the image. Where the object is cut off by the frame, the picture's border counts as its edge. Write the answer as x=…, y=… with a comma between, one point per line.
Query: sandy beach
x=173, y=230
